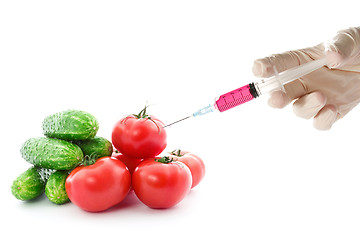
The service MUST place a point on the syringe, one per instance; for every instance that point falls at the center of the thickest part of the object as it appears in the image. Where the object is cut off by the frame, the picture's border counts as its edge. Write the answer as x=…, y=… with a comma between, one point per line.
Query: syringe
x=255, y=89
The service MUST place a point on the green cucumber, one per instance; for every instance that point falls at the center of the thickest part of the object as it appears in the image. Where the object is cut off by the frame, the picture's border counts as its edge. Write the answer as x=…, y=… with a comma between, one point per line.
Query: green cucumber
x=70, y=125
x=55, y=187
x=96, y=147
x=29, y=185
x=51, y=153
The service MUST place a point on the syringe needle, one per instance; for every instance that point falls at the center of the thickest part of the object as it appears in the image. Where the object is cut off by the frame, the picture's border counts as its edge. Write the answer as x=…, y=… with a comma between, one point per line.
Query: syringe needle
x=177, y=121
x=200, y=112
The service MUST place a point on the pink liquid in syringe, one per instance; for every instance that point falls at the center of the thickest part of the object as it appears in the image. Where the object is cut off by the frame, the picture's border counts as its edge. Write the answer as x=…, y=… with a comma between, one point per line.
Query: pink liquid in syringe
x=236, y=97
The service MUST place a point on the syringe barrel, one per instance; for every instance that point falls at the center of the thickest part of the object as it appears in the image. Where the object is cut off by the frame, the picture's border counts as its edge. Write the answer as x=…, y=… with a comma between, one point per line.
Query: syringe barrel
x=236, y=97
x=268, y=85
x=277, y=81
x=253, y=90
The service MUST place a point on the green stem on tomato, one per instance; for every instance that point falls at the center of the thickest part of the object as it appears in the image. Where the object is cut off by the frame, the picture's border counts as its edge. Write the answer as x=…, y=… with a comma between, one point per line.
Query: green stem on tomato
x=165, y=160
x=143, y=115
x=88, y=160
x=177, y=152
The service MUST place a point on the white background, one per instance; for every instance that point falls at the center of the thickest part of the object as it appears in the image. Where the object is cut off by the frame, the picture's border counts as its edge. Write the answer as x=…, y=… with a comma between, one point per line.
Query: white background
x=269, y=174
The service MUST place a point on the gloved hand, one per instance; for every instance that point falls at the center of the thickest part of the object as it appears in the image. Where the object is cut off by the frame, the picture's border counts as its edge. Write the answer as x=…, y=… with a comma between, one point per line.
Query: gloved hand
x=327, y=94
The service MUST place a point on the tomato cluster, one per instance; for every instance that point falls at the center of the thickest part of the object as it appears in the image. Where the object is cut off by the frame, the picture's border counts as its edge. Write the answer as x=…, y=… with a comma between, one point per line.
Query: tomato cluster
x=159, y=182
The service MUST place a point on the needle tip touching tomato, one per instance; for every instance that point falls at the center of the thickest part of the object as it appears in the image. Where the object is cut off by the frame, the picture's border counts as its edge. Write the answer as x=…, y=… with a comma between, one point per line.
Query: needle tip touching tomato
x=139, y=135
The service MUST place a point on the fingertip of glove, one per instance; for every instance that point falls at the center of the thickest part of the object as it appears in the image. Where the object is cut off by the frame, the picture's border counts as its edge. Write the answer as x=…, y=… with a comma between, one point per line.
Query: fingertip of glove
x=344, y=46
x=309, y=105
x=262, y=68
x=278, y=99
x=326, y=117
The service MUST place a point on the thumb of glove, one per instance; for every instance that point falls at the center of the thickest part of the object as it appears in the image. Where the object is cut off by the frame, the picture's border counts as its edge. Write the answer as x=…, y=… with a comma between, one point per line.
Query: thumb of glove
x=343, y=50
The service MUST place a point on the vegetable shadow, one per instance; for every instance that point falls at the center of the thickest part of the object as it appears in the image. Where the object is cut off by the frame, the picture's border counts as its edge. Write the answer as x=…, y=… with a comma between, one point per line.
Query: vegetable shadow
x=130, y=201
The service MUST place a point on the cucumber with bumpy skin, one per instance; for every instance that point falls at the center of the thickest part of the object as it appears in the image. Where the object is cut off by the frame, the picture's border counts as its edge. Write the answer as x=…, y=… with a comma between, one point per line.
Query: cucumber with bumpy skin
x=96, y=147
x=55, y=187
x=29, y=185
x=70, y=125
x=51, y=153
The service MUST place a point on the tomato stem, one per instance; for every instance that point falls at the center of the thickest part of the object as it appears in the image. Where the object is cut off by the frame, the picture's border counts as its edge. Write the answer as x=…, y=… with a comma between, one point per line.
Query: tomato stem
x=165, y=160
x=88, y=160
x=176, y=152
x=143, y=115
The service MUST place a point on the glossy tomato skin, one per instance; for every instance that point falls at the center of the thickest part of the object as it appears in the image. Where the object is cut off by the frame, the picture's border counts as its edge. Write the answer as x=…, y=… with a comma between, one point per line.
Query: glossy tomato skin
x=194, y=163
x=131, y=163
x=99, y=186
x=161, y=185
x=139, y=137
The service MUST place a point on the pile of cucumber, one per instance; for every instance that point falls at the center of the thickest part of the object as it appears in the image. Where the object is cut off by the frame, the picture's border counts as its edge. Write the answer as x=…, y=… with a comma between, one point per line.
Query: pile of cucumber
x=69, y=139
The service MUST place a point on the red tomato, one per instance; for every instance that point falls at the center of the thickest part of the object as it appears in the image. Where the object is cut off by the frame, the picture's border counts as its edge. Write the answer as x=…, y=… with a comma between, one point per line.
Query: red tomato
x=139, y=136
x=194, y=163
x=99, y=186
x=131, y=163
x=161, y=185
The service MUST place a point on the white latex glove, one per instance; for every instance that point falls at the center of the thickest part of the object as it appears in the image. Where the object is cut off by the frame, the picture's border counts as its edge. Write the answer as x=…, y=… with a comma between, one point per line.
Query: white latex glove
x=327, y=94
